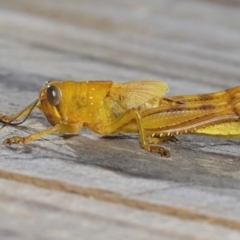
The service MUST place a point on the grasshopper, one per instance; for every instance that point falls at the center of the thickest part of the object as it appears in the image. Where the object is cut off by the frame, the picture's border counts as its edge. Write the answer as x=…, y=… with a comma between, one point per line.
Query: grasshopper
x=140, y=106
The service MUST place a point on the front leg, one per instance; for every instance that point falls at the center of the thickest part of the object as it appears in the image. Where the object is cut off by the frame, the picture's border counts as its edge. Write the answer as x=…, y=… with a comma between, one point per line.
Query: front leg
x=59, y=128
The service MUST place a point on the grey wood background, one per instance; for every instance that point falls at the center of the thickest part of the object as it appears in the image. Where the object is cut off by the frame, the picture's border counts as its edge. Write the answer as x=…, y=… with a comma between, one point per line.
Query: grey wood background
x=93, y=187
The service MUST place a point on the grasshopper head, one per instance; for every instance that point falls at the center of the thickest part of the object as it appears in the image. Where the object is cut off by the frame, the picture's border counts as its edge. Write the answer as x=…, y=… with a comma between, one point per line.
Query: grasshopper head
x=50, y=98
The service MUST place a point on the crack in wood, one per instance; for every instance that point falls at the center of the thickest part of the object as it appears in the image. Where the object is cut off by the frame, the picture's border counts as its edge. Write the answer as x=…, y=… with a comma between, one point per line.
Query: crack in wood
x=116, y=198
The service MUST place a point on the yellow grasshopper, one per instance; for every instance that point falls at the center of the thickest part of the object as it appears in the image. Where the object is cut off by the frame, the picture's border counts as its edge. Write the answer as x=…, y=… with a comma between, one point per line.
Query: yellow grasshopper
x=140, y=106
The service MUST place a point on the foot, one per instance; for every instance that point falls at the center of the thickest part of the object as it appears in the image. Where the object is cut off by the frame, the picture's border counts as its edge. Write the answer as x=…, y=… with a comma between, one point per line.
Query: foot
x=161, y=150
x=15, y=139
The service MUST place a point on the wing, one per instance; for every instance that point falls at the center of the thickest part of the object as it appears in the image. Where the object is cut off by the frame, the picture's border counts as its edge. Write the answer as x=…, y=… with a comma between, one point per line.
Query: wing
x=124, y=96
x=134, y=94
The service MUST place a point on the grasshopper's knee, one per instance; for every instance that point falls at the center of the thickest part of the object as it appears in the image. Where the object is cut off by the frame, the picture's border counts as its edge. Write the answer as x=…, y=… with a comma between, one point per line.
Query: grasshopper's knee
x=237, y=108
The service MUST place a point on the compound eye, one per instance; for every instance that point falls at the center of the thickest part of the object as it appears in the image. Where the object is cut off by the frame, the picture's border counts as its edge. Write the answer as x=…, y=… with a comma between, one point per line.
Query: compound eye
x=53, y=95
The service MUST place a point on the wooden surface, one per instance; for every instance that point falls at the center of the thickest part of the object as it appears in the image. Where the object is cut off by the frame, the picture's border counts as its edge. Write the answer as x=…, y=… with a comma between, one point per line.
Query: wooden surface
x=93, y=187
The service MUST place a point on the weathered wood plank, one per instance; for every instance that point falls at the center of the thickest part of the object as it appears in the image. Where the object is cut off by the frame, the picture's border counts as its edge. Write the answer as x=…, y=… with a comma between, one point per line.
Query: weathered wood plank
x=199, y=50
x=168, y=179
x=193, y=46
x=44, y=214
